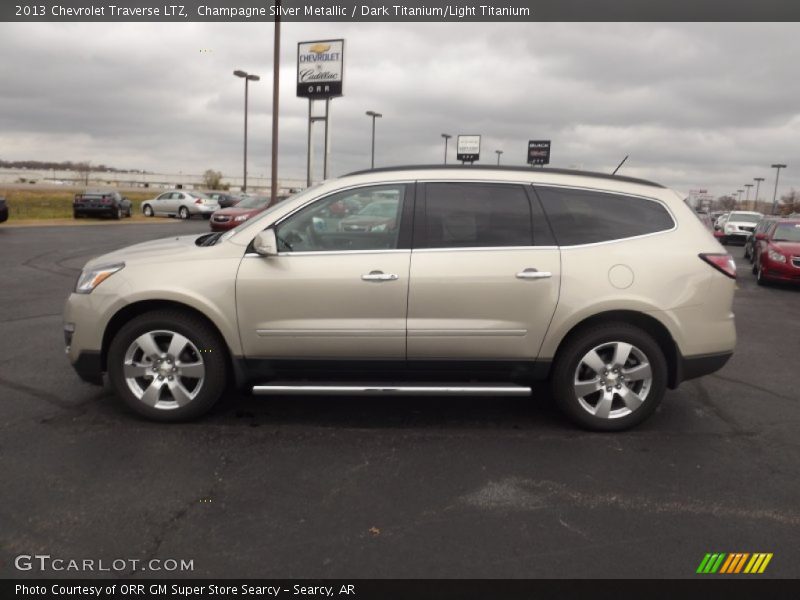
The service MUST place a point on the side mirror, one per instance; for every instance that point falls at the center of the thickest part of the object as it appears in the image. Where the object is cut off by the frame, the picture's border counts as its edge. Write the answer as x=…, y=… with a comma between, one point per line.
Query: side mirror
x=761, y=236
x=265, y=243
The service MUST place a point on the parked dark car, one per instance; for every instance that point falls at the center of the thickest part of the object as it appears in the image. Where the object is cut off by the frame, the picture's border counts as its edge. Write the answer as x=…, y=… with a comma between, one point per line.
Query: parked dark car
x=224, y=199
x=3, y=210
x=758, y=233
x=778, y=254
x=101, y=204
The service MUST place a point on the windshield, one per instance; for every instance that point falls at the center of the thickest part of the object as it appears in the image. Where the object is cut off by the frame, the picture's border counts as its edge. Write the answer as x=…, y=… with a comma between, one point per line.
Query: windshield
x=787, y=232
x=380, y=209
x=744, y=218
x=253, y=202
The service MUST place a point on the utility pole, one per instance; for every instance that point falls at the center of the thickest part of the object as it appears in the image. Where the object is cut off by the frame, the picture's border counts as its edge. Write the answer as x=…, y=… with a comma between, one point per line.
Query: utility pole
x=777, y=168
x=276, y=71
x=446, y=137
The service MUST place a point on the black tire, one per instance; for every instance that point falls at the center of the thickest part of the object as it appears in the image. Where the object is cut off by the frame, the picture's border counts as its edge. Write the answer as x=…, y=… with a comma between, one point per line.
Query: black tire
x=147, y=210
x=183, y=213
x=118, y=214
x=128, y=214
x=208, y=348
x=754, y=268
x=603, y=336
x=76, y=215
x=206, y=217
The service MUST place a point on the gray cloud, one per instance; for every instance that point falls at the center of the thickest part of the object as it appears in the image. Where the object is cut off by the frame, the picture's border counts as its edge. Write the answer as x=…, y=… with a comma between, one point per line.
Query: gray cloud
x=708, y=105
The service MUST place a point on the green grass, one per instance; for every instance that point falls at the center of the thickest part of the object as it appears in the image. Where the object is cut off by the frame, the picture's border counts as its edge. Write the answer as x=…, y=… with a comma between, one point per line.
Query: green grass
x=54, y=204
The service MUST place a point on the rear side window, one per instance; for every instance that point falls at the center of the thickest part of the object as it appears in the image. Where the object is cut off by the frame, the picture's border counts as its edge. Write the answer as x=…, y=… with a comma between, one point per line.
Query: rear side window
x=463, y=215
x=586, y=217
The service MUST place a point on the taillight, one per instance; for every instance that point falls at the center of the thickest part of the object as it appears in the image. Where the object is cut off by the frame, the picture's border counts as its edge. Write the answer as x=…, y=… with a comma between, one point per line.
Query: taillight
x=198, y=201
x=721, y=262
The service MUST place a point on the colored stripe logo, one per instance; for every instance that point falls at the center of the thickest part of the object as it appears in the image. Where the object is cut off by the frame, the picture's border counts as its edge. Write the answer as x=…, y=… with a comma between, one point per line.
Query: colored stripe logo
x=734, y=563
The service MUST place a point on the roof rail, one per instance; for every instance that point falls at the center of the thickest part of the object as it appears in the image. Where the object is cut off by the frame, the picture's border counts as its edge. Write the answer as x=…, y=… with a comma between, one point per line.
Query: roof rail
x=573, y=172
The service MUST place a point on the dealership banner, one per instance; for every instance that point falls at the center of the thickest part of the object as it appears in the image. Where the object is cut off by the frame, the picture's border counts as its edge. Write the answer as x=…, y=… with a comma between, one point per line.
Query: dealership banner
x=320, y=68
x=376, y=10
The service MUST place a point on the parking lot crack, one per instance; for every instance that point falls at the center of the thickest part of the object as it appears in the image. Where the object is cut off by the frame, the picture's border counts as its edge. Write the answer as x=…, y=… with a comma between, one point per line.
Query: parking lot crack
x=754, y=387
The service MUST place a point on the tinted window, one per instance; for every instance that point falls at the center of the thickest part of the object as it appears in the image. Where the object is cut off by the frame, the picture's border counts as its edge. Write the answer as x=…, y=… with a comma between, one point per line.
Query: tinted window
x=459, y=215
x=585, y=217
x=365, y=218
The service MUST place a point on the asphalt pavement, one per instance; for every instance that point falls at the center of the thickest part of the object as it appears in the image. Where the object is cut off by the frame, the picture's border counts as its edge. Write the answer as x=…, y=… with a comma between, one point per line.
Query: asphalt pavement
x=365, y=487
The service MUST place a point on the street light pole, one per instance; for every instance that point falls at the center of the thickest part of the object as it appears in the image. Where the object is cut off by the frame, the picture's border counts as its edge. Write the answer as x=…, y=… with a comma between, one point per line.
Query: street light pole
x=777, y=168
x=247, y=79
x=747, y=194
x=498, y=152
x=374, y=115
x=739, y=199
x=446, y=137
x=276, y=69
x=758, y=181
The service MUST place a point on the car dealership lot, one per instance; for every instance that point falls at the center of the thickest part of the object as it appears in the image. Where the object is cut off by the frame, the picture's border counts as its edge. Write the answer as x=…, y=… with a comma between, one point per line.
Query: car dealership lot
x=363, y=487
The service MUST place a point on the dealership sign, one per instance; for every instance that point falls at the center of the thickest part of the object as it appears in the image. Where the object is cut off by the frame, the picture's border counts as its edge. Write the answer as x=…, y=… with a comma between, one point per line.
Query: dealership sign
x=539, y=152
x=320, y=66
x=468, y=148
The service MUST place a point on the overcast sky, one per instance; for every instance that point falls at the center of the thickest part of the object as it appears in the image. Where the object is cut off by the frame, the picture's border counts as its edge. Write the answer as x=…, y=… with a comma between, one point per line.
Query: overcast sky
x=694, y=105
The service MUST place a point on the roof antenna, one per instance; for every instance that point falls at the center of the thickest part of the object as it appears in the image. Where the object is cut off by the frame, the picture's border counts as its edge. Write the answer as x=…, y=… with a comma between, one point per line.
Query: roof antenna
x=620, y=164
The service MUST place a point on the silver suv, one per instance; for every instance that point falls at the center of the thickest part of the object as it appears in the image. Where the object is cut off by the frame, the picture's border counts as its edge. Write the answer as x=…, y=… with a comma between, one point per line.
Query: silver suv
x=478, y=281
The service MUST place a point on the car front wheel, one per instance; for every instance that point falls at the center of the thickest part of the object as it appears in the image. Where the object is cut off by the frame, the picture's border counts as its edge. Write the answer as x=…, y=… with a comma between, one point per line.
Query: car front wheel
x=609, y=377
x=168, y=365
x=148, y=210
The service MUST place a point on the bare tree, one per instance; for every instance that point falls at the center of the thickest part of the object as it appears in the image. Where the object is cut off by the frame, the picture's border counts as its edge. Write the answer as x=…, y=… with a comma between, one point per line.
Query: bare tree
x=790, y=202
x=212, y=180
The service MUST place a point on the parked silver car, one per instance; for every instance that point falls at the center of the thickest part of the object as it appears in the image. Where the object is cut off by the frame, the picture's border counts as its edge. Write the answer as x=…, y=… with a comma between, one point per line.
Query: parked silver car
x=180, y=203
x=491, y=279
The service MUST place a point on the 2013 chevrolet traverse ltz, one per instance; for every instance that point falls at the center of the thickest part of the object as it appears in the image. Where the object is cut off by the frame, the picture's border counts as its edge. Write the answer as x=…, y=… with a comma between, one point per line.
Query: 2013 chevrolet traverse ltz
x=484, y=281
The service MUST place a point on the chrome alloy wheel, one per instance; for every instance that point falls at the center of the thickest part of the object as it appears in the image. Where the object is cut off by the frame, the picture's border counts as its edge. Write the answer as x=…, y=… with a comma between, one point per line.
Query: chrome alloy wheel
x=164, y=369
x=612, y=380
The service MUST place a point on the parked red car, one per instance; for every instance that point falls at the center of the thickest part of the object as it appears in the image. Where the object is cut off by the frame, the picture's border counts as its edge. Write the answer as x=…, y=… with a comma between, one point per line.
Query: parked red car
x=228, y=218
x=778, y=253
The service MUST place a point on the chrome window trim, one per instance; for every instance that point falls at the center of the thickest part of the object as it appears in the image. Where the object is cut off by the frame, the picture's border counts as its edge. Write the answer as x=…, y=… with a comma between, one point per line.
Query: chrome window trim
x=332, y=252
x=483, y=248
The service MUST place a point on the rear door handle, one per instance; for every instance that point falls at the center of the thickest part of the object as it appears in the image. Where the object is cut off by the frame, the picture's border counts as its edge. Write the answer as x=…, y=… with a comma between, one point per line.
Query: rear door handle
x=531, y=273
x=379, y=276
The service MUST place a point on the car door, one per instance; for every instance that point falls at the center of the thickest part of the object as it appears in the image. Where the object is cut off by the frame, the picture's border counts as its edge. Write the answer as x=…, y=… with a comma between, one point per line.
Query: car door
x=159, y=204
x=484, y=273
x=329, y=293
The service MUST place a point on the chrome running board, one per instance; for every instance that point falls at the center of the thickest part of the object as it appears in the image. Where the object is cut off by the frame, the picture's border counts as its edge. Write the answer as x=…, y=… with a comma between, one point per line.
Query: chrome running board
x=391, y=390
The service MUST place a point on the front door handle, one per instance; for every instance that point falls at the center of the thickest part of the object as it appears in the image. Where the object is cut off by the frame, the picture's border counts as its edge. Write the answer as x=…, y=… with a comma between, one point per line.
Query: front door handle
x=379, y=276
x=531, y=273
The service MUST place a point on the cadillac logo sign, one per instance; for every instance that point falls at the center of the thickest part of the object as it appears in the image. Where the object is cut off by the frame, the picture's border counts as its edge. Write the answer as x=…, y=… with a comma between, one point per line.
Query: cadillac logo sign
x=468, y=148
x=320, y=66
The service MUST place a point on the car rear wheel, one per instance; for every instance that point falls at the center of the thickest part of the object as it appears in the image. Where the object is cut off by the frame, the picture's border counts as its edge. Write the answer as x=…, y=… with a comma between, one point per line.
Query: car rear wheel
x=609, y=377
x=119, y=214
x=183, y=213
x=168, y=365
x=148, y=210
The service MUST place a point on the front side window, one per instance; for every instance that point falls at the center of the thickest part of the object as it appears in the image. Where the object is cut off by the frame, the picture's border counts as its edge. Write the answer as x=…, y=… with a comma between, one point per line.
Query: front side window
x=366, y=218
x=586, y=217
x=464, y=215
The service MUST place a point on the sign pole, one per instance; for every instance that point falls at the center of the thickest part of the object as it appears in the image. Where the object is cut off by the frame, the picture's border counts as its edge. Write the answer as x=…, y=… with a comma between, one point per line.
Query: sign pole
x=276, y=66
x=327, y=138
x=309, y=155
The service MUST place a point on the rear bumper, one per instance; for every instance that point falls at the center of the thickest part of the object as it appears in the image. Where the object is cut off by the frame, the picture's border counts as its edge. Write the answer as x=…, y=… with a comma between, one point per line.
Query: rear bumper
x=692, y=367
x=95, y=211
x=3, y=214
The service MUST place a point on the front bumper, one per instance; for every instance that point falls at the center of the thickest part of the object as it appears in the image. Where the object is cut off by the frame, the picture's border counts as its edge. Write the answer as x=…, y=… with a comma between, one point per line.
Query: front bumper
x=89, y=367
x=775, y=271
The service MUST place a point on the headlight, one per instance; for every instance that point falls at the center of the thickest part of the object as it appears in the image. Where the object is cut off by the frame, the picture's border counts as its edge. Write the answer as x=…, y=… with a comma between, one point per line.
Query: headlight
x=730, y=228
x=776, y=256
x=241, y=218
x=91, y=278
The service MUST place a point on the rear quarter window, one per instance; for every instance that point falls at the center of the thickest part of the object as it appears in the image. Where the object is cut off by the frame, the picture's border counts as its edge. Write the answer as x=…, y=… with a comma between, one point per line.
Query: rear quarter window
x=586, y=217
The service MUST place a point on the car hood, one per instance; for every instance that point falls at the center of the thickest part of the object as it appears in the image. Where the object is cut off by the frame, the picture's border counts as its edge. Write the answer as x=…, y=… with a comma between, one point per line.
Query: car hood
x=146, y=250
x=792, y=248
x=235, y=212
